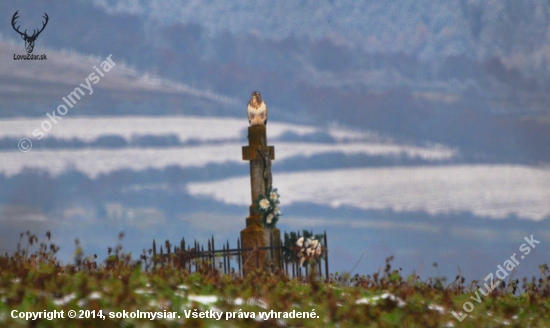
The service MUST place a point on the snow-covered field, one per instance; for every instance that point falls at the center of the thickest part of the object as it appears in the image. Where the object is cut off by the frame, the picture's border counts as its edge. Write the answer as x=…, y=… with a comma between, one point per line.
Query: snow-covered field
x=493, y=191
x=229, y=135
x=96, y=161
x=185, y=127
x=200, y=128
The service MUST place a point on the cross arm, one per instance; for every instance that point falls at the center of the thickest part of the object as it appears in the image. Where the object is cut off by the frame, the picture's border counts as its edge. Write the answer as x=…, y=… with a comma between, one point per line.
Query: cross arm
x=250, y=153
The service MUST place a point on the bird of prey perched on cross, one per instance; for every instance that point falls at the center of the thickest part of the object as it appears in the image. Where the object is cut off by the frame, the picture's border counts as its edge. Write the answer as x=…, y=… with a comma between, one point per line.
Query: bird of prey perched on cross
x=257, y=110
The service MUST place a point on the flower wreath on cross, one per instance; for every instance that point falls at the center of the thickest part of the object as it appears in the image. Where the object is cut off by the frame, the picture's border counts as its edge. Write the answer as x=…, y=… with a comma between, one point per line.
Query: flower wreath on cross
x=269, y=207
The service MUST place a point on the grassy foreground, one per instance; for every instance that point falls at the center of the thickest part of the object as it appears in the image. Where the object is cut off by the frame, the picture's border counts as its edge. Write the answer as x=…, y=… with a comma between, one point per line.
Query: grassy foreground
x=36, y=282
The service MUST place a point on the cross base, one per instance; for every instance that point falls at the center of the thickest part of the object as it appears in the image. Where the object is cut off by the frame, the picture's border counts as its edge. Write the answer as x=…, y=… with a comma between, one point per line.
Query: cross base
x=254, y=235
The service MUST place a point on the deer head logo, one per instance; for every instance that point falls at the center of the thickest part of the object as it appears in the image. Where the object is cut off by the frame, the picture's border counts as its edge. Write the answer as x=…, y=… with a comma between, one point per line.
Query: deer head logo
x=29, y=40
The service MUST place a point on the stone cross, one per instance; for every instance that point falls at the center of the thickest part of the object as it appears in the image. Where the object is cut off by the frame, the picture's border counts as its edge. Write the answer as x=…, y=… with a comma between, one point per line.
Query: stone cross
x=260, y=156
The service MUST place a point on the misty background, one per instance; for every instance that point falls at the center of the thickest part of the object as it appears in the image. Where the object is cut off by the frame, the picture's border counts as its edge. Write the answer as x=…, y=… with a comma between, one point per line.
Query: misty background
x=417, y=129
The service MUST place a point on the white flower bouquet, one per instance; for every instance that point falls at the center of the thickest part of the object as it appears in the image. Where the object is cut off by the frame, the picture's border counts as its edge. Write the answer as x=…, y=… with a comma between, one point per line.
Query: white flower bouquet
x=269, y=207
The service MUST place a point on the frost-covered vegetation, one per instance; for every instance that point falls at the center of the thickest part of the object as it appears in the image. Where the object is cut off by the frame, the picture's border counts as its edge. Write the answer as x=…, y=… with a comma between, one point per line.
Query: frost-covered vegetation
x=32, y=279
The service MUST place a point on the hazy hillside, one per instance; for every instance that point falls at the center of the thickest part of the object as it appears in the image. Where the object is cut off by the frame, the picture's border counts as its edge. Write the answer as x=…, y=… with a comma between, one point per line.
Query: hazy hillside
x=469, y=74
x=477, y=29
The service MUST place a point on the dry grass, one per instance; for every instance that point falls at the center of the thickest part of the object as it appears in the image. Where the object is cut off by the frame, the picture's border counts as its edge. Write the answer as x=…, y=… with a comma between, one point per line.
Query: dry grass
x=32, y=279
